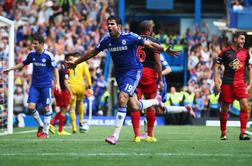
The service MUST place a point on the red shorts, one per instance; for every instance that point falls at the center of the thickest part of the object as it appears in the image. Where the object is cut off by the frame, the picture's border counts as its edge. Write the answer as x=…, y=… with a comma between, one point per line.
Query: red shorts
x=62, y=98
x=231, y=92
x=148, y=84
x=147, y=95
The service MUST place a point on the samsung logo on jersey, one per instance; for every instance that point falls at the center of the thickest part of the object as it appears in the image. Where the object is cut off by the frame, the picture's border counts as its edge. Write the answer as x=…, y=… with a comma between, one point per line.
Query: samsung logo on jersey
x=39, y=64
x=115, y=49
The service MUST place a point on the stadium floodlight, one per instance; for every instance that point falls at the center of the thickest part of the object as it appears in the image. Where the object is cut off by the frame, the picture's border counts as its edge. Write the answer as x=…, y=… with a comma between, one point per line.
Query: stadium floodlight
x=10, y=25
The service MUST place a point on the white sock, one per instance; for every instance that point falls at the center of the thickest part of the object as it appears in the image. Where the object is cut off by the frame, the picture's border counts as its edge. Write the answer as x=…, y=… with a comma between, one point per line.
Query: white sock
x=143, y=104
x=37, y=118
x=21, y=122
x=120, y=116
x=175, y=109
x=47, y=120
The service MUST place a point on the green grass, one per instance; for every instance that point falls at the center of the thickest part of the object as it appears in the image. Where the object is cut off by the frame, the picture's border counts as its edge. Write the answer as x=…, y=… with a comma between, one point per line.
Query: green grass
x=177, y=145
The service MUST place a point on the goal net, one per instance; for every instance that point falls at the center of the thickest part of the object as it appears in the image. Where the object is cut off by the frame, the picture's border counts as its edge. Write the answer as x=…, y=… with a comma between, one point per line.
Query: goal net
x=6, y=81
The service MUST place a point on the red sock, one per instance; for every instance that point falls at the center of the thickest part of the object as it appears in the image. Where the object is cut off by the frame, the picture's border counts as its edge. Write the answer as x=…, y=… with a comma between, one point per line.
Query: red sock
x=54, y=120
x=243, y=120
x=223, y=122
x=61, y=122
x=151, y=118
x=135, y=117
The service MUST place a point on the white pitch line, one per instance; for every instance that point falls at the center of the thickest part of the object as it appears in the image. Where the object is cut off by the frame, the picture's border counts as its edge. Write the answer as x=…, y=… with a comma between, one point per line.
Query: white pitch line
x=128, y=154
x=25, y=132
x=20, y=132
x=2, y=134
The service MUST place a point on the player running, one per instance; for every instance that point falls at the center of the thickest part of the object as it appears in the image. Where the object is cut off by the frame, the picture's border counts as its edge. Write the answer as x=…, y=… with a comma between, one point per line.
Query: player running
x=233, y=86
x=40, y=89
x=122, y=47
x=62, y=100
x=152, y=76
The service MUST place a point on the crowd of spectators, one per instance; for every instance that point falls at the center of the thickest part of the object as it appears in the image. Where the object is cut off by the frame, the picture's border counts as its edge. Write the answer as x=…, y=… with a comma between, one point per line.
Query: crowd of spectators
x=67, y=26
x=202, y=50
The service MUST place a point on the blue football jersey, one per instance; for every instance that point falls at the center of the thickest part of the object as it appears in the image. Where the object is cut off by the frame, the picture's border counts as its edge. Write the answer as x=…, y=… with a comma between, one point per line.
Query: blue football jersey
x=43, y=65
x=123, y=51
x=164, y=62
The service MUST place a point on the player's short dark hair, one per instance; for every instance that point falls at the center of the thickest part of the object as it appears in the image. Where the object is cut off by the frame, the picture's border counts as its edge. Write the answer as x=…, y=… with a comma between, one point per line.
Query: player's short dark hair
x=145, y=25
x=237, y=34
x=116, y=18
x=68, y=55
x=73, y=54
x=76, y=54
x=38, y=38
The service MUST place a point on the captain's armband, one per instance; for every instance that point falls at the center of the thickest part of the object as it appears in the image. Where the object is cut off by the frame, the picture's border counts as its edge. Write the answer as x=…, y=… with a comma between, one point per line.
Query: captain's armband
x=218, y=60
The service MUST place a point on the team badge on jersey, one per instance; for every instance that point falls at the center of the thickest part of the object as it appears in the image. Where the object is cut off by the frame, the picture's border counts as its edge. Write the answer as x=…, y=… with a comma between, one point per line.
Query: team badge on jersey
x=98, y=45
x=43, y=60
x=235, y=64
x=33, y=59
x=229, y=55
x=123, y=42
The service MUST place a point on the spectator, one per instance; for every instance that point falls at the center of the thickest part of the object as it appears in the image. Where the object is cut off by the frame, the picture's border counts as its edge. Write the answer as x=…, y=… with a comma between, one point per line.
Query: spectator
x=236, y=5
x=19, y=106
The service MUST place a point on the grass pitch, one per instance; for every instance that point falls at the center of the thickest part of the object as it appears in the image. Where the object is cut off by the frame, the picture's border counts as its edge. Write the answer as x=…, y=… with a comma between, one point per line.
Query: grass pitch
x=177, y=145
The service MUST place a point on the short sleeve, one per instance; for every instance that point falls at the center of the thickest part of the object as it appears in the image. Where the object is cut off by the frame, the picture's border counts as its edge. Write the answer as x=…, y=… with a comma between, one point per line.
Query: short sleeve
x=28, y=59
x=52, y=60
x=163, y=61
x=136, y=39
x=102, y=45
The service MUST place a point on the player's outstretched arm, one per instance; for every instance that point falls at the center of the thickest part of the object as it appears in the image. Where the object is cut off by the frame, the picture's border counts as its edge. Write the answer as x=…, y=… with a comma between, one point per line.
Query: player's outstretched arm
x=159, y=48
x=87, y=55
x=166, y=71
x=216, y=78
x=249, y=77
x=56, y=78
x=159, y=70
x=68, y=89
x=18, y=66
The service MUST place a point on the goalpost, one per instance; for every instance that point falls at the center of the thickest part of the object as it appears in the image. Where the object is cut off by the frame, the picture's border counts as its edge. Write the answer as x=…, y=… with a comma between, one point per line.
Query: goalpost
x=10, y=24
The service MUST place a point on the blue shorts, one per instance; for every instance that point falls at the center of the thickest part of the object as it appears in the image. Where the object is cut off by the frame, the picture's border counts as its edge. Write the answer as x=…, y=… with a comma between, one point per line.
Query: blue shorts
x=40, y=95
x=128, y=81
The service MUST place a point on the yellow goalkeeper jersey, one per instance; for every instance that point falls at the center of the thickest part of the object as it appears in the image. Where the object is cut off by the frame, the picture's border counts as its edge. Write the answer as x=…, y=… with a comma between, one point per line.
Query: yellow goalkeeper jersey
x=79, y=74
